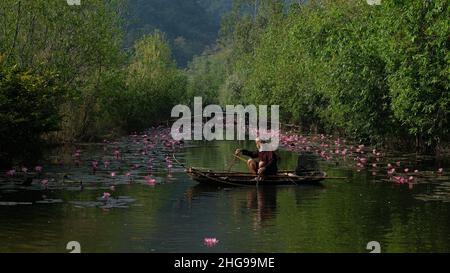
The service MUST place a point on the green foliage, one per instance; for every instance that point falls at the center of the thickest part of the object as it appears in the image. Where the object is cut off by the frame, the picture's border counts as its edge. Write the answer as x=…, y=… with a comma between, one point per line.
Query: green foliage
x=205, y=74
x=375, y=73
x=28, y=108
x=145, y=92
x=417, y=56
x=352, y=73
x=81, y=43
x=108, y=90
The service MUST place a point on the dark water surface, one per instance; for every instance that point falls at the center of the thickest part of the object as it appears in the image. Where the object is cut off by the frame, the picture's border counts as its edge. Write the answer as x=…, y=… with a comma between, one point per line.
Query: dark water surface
x=176, y=214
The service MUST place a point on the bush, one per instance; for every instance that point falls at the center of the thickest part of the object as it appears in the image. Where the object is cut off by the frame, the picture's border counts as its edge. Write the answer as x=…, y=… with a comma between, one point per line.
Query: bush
x=28, y=108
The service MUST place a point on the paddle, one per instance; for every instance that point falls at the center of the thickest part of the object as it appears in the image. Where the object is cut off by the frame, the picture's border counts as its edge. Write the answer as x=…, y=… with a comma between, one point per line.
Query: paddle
x=232, y=164
x=238, y=157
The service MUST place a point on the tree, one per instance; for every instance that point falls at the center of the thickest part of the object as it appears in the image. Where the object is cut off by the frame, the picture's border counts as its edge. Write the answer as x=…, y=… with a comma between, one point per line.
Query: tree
x=418, y=61
x=150, y=86
x=28, y=108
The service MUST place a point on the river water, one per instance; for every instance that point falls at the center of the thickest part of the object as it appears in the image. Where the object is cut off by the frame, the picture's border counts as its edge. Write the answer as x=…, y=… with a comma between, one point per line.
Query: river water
x=177, y=214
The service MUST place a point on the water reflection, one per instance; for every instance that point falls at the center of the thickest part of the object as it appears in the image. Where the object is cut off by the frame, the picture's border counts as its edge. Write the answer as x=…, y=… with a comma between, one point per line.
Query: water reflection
x=176, y=213
x=263, y=202
x=260, y=202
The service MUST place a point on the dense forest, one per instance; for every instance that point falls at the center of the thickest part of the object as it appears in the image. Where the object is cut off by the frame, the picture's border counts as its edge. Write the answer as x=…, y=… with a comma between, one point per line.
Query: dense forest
x=65, y=75
x=376, y=73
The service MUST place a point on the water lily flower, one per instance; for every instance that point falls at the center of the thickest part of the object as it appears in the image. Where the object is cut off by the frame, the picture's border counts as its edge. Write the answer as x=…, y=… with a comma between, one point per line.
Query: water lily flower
x=391, y=171
x=210, y=242
x=151, y=181
x=117, y=153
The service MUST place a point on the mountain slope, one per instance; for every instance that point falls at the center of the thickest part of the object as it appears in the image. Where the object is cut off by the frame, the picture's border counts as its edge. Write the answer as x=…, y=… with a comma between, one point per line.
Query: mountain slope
x=190, y=25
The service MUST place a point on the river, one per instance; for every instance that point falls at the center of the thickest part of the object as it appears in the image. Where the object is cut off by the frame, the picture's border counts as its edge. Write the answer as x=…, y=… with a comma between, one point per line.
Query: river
x=175, y=214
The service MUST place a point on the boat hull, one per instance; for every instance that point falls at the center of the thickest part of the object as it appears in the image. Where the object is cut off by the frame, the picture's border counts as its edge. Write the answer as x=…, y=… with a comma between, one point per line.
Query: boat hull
x=246, y=179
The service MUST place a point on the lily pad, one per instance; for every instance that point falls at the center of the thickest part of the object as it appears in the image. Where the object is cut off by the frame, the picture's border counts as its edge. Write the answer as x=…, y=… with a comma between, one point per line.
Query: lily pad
x=15, y=203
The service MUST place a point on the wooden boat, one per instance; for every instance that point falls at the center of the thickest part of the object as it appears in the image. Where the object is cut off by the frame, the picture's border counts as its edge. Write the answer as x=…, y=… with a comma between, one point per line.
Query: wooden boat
x=247, y=179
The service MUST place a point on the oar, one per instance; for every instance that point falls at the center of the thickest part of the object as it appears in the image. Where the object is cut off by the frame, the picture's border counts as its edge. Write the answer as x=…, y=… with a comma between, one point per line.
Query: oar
x=238, y=157
x=232, y=164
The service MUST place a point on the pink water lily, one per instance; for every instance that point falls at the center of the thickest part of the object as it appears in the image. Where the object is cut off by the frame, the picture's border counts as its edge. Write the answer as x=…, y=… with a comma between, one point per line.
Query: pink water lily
x=38, y=169
x=106, y=195
x=113, y=174
x=11, y=173
x=151, y=181
x=117, y=153
x=210, y=242
x=94, y=166
x=400, y=179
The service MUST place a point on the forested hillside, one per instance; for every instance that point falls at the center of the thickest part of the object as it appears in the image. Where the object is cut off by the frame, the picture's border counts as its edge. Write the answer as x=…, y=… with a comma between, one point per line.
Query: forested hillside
x=190, y=25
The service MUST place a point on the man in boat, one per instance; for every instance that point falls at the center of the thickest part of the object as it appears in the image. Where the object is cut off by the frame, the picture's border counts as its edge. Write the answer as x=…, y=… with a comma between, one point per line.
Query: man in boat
x=266, y=163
